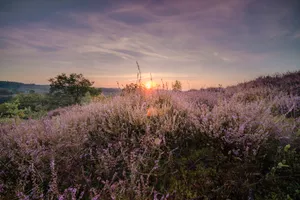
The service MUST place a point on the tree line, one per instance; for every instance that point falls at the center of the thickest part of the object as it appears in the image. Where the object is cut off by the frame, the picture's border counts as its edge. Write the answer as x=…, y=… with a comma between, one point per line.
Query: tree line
x=65, y=90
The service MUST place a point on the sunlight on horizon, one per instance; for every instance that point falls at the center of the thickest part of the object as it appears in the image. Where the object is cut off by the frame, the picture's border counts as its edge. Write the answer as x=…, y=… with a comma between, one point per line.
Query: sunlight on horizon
x=150, y=85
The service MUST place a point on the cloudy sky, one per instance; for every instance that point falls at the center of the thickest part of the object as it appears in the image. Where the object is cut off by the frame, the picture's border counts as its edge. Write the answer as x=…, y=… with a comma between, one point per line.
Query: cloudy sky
x=199, y=42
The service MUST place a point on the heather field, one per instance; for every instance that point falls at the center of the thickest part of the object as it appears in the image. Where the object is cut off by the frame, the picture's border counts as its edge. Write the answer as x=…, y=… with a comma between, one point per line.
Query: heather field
x=239, y=142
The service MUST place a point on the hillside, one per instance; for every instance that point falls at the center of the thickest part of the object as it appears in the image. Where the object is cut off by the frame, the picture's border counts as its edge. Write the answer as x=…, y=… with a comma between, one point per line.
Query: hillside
x=287, y=82
x=241, y=142
x=24, y=88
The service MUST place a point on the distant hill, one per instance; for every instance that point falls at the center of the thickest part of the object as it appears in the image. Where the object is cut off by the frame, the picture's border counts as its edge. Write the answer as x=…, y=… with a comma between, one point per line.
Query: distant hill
x=110, y=91
x=9, y=88
x=17, y=87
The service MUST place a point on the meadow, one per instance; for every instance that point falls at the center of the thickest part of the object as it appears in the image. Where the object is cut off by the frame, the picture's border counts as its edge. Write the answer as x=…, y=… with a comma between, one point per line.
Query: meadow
x=239, y=142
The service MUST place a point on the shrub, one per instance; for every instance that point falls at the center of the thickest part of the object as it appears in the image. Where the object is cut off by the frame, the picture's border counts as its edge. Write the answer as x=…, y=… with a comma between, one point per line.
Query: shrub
x=177, y=86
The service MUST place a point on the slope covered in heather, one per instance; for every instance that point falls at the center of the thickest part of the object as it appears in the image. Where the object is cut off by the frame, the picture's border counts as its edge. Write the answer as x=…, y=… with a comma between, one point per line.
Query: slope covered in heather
x=236, y=143
x=288, y=82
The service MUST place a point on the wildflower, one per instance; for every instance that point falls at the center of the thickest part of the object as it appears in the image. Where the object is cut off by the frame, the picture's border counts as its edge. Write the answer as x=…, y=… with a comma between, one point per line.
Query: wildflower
x=156, y=166
x=73, y=192
x=1, y=188
x=96, y=197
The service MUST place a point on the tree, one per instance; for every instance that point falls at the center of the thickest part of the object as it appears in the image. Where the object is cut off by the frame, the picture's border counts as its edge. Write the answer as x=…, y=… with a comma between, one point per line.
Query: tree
x=95, y=91
x=11, y=109
x=35, y=101
x=130, y=88
x=86, y=99
x=71, y=89
x=177, y=86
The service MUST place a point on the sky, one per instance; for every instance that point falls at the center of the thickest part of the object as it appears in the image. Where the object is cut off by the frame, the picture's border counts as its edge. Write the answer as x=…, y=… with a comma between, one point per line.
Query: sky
x=201, y=43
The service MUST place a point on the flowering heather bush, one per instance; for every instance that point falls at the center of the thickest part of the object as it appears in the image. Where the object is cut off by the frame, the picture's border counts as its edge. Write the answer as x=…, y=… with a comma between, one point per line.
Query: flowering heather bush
x=158, y=145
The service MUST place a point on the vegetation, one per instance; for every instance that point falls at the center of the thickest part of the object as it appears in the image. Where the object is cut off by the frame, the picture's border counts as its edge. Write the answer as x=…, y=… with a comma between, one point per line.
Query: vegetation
x=11, y=110
x=177, y=86
x=64, y=90
x=240, y=142
x=26, y=106
x=9, y=89
x=71, y=89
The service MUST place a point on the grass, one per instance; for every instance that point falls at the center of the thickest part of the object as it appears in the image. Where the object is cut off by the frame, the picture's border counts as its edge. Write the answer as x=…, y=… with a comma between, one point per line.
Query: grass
x=236, y=143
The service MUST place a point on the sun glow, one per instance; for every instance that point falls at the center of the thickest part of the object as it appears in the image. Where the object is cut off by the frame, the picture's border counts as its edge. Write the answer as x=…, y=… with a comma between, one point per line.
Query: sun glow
x=150, y=84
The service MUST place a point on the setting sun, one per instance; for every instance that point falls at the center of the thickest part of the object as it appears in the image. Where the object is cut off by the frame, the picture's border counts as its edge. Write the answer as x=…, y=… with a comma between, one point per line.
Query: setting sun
x=149, y=85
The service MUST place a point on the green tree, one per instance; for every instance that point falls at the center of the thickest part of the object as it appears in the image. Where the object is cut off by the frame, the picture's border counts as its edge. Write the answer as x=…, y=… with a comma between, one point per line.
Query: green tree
x=86, y=99
x=95, y=91
x=35, y=101
x=177, y=86
x=11, y=109
x=71, y=89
